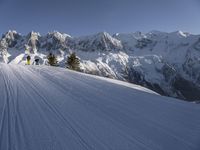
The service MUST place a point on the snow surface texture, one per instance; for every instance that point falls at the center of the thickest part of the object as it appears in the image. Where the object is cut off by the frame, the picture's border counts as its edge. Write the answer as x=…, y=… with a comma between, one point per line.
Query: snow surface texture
x=168, y=63
x=47, y=108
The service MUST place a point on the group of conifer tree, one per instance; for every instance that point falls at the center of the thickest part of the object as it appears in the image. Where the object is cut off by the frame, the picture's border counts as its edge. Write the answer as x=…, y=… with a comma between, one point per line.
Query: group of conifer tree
x=72, y=62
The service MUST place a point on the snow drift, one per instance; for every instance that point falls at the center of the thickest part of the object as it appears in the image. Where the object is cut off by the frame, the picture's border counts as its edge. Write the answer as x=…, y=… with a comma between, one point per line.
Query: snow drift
x=47, y=108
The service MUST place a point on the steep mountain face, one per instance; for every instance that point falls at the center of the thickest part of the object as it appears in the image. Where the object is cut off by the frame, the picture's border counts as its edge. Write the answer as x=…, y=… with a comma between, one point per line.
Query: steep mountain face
x=168, y=63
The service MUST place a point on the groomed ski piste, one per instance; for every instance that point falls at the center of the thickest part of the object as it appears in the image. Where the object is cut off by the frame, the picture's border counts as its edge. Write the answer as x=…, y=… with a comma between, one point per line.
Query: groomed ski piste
x=49, y=108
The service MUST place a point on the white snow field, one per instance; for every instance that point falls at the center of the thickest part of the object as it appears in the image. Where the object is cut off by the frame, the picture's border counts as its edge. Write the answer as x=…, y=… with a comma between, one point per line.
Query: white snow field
x=48, y=108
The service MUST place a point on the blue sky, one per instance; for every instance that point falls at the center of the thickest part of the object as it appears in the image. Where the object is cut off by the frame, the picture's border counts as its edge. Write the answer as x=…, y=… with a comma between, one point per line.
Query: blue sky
x=82, y=17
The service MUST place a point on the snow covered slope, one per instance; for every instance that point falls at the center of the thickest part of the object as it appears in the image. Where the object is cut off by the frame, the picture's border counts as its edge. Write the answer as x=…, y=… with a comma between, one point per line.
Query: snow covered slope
x=168, y=63
x=47, y=108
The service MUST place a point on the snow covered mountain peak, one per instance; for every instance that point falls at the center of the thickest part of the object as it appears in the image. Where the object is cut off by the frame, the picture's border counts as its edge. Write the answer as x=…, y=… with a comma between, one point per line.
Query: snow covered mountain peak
x=99, y=36
x=181, y=34
x=11, y=35
x=58, y=35
x=33, y=35
x=104, y=34
x=135, y=35
x=101, y=41
x=11, y=32
x=156, y=32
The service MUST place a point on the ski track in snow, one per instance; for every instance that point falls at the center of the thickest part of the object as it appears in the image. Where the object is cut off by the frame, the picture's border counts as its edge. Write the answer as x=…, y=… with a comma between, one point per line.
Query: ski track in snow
x=48, y=108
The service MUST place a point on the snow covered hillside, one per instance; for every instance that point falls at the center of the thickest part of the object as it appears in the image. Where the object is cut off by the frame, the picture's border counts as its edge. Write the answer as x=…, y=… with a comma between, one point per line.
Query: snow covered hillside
x=49, y=108
x=168, y=63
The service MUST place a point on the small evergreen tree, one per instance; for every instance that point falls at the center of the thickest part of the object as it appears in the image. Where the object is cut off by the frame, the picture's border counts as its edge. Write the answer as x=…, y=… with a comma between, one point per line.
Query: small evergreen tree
x=52, y=60
x=73, y=62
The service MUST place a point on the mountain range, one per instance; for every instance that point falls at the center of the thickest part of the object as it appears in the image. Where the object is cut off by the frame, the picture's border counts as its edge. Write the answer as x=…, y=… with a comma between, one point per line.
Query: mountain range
x=168, y=63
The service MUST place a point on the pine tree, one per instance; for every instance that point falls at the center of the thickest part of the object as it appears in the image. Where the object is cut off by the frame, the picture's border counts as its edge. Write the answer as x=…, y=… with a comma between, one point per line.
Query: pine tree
x=73, y=62
x=52, y=60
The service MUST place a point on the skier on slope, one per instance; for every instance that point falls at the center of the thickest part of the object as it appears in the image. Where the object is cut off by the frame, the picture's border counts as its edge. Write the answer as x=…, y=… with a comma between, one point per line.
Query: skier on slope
x=37, y=61
x=28, y=58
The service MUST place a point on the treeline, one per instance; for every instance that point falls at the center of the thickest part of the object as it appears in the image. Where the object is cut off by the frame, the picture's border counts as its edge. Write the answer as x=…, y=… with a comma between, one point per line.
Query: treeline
x=72, y=62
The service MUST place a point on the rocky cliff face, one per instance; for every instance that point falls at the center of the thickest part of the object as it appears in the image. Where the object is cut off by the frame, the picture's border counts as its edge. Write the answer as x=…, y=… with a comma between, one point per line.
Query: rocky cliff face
x=168, y=63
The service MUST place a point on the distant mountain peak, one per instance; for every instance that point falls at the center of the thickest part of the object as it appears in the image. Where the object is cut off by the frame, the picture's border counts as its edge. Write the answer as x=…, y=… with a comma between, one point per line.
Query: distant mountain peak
x=181, y=33
x=106, y=34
